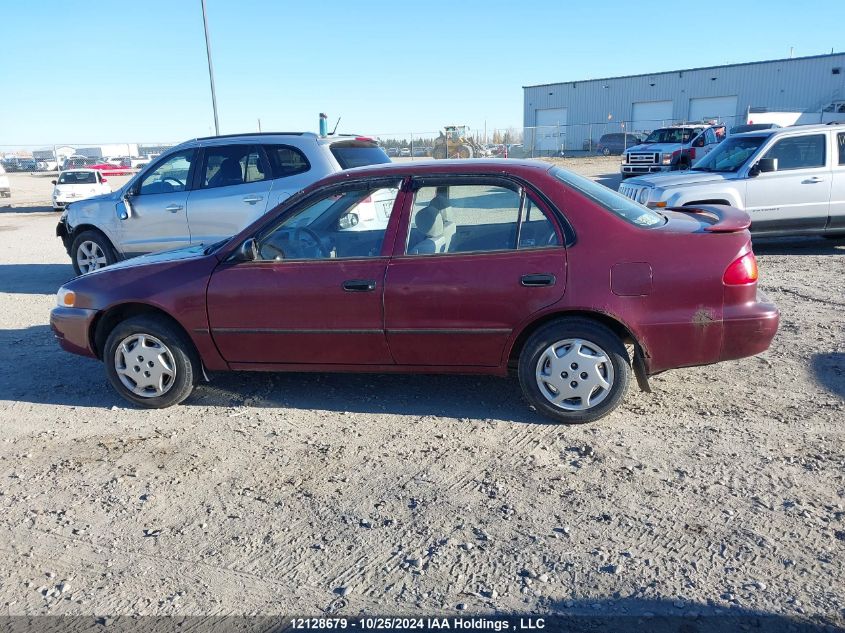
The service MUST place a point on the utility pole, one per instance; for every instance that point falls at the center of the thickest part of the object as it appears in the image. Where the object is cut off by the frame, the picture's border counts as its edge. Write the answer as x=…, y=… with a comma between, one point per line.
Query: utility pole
x=210, y=69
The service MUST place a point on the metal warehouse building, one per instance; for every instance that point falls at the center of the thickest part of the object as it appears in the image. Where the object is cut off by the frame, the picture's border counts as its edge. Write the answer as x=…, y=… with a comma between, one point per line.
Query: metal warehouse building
x=573, y=115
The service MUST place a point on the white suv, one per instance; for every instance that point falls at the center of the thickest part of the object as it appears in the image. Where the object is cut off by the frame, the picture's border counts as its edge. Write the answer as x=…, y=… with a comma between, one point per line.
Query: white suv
x=203, y=191
x=791, y=180
x=5, y=190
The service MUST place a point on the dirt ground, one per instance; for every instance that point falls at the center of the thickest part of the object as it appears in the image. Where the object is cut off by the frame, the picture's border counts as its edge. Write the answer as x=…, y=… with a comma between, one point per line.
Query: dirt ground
x=723, y=491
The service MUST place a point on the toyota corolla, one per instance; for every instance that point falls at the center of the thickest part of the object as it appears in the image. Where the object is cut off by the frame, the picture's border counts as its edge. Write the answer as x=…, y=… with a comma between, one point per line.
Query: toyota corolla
x=489, y=267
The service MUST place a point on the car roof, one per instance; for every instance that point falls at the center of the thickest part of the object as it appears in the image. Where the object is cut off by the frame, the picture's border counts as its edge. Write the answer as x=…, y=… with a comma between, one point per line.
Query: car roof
x=779, y=131
x=80, y=171
x=271, y=136
x=470, y=166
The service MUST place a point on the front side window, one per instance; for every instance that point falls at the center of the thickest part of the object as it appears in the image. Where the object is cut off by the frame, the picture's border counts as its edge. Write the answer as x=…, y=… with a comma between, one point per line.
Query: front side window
x=233, y=165
x=799, y=152
x=171, y=176
x=347, y=223
x=463, y=219
x=840, y=143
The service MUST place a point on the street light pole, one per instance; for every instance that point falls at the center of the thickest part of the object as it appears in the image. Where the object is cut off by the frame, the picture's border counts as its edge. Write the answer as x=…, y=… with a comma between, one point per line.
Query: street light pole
x=210, y=69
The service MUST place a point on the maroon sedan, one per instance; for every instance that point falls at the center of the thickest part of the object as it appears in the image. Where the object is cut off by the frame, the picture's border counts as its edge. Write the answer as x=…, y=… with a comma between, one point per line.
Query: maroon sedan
x=488, y=267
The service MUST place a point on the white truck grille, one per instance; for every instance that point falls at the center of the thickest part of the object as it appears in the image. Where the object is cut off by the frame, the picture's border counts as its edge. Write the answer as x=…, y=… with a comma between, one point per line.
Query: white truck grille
x=643, y=158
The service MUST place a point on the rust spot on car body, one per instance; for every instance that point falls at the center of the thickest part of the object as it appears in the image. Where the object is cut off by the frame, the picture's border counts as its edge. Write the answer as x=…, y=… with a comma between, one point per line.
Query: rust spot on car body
x=703, y=316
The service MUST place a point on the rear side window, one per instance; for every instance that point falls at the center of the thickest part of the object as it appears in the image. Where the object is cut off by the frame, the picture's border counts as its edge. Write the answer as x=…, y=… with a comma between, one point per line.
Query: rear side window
x=840, y=143
x=286, y=161
x=233, y=165
x=358, y=154
x=614, y=202
x=799, y=152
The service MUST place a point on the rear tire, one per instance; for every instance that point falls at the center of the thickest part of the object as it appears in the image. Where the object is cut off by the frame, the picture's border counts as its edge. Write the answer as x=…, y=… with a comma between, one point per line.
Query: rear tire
x=464, y=151
x=574, y=370
x=150, y=363
x=90, y=251
x=439, y=152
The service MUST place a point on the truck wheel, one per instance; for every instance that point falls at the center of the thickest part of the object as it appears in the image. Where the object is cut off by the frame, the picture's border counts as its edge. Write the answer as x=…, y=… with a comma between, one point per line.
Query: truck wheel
x=439, y=153
x=464, y=151
x=90, y=251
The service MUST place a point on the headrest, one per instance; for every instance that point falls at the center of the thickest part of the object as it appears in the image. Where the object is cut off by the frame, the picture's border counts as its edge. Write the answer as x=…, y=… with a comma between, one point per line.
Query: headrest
x=429, y=221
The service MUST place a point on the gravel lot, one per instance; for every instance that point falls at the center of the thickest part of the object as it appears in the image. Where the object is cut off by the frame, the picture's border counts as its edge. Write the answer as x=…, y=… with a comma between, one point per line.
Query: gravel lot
x=720, y=492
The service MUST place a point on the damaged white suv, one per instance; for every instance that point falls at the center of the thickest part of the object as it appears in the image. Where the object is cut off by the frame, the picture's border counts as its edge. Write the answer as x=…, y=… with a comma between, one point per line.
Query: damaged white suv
x=791, y=181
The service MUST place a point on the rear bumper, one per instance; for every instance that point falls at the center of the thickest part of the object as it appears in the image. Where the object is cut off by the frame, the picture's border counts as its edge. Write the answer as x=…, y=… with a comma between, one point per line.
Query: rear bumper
x=749, y=329
x=71, y=327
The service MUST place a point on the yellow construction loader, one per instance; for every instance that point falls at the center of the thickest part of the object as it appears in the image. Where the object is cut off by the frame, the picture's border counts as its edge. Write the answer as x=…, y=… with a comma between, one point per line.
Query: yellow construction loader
x=455, y=142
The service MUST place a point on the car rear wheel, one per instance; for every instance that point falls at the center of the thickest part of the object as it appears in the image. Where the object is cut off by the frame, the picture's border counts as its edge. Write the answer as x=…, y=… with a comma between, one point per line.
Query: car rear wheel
x=150, y=363
x=574, y=370
x=90, y=251
x=606, y=151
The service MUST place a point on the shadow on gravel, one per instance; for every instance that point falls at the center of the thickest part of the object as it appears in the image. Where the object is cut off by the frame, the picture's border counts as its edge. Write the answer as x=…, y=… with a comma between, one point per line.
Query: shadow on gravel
x=30, y=209
x=798, y=246
x=34, y=279
x=35, y=369
x=829, y=372
x=473, y=397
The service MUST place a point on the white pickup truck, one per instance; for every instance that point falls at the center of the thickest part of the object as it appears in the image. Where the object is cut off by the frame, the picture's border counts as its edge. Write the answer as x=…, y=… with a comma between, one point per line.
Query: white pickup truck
x=791, y=180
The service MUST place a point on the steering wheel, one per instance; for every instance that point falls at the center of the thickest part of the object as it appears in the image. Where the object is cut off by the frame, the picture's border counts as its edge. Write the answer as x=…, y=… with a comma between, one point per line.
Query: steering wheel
x=313, y=240
x=176, y=180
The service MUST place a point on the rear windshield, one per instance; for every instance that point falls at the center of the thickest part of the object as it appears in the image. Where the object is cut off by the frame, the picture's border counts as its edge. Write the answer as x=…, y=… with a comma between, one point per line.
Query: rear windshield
x=616, y=203
x=77, y=178
x=349, y=155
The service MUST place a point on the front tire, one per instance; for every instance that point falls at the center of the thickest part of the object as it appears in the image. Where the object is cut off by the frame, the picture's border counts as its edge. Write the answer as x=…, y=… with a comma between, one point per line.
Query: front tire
x=574, y=370
x=90, y=251
x=150, y=363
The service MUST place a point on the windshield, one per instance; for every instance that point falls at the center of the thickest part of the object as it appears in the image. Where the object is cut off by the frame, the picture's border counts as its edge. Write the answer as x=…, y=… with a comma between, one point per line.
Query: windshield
x=349, y=155
x=77, y=178
x=730, y=154
x=616, y=203
x=672, y=135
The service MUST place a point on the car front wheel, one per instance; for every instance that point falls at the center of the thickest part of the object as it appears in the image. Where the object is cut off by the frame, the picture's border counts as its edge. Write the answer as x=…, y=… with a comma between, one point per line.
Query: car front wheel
x=574, y=370
x=149, y=362
x=91, y=250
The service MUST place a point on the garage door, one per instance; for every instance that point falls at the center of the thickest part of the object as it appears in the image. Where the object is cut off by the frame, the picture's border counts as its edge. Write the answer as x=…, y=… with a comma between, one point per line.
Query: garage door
x=649, y=115
x=551, y=129
x=721, y=108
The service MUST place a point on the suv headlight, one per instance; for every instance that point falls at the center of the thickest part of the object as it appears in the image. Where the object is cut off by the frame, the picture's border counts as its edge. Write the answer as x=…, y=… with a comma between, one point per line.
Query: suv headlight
x=65, y=298
x=643, y=197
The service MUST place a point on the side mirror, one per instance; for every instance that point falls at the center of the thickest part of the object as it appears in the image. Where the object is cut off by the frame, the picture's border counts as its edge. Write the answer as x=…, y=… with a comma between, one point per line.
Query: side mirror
x=103, y=179
x=699, y=142
x=54, y=182
x=248, y=251
x=763, y=165
x=347, y=221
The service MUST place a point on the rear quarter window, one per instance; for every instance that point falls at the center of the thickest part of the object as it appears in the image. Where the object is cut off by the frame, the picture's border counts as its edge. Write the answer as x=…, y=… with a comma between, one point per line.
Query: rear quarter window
x=357, y=154
x=616, y=203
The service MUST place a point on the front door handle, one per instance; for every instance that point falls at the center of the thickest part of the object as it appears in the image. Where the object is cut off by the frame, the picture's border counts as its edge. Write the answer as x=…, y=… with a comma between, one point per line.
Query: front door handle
x=252, y=199
x=814, y=179
x=532, y=281
x=173, y=208
x=359, y=285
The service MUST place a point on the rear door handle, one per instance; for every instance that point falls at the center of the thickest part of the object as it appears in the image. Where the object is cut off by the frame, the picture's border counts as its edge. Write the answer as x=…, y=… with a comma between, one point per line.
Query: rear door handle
x=173, y=208
x=359, y=285
x=538, y=280
x=814, y=179
x=252, y=199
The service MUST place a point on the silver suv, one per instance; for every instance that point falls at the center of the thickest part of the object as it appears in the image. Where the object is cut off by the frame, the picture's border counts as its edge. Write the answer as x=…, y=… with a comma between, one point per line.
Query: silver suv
x=791, y=180
x=203, y=191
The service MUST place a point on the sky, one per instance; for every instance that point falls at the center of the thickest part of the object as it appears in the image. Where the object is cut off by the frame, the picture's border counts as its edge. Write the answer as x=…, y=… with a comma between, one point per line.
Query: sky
x=108, y=72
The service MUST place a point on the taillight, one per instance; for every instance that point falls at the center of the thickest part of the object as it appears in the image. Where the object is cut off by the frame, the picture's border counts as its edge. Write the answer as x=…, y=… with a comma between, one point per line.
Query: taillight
x=743, y=271
x=691, y=153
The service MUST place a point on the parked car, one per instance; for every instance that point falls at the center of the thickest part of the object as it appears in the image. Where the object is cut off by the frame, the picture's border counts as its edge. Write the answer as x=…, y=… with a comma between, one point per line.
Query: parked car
x=516, y=150
x=110, y=169
x=5, y=190
x=616, y=143
x=79, y=162
x=671, y=148
x=202, y=191
x=420, y=150
x=393, y=152
x=405, y=151
x=487, y=267
x=78, y=184
x=789, y=180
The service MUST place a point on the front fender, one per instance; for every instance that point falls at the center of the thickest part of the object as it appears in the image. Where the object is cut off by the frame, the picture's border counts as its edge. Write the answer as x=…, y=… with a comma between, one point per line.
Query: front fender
x=683, y=198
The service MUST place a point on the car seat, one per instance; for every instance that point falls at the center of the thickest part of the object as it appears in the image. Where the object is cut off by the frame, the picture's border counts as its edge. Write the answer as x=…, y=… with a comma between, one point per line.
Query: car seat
x=230, y=173
x=430, y=222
